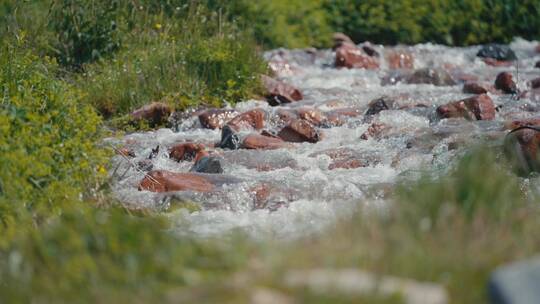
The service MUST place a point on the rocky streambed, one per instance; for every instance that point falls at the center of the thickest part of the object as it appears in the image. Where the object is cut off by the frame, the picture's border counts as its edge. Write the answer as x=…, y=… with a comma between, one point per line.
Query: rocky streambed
x=335, y=131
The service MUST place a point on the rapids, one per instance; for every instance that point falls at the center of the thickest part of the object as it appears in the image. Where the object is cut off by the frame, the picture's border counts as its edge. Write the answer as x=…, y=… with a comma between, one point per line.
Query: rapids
x=307, y=196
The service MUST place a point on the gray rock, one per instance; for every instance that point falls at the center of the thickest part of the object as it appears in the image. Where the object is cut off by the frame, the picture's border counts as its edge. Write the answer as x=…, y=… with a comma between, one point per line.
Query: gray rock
x=516, y=283
x=208, y=164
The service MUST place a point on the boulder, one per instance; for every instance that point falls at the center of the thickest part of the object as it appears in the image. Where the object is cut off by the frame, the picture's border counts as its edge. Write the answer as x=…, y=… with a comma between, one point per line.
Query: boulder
x=216, y=118
x=299, y=131
x=208, y=164
x=155, y=113
x=261, y=142
x=252, y=119
x=497, y=51
x=278, y=92
x=505, y=83
x=166, y=181
x=479, y=107
x=350, y=56
x=380, y=104
x=185, y=151
x=473, y=88
x=437, y=77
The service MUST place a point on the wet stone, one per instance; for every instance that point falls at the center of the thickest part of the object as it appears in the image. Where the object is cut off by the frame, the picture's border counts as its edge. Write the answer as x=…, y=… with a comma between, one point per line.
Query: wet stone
x=380, y=104
x=497, y=51
x=216, y=118
x=299, y=131
x=208, y=164
x=479, y=107
x=505, y=83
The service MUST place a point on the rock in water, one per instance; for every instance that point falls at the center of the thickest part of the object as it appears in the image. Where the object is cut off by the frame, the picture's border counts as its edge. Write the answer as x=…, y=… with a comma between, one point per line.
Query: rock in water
x=215, y=118
x=379, y=104
x=278, y=92
x=479, y=107
x=352, y=57
x=166, y=181
x=253, y=119
x=229, y=139
x=185, y=151
x=522, y=148
x=261, y=142
x=473, y=88
x=208, y=164
x=299, y=131
x=437, y=77
x=497, y=51
x=517, y=283
x=505, y=83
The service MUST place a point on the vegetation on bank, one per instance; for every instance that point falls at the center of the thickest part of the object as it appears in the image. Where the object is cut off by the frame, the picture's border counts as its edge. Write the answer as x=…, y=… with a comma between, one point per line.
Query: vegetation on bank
x=64, y=239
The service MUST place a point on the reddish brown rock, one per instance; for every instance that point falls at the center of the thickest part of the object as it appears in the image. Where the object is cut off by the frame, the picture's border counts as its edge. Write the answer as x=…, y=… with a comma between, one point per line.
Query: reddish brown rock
x=278, y=92
x=165, y=181
x=522, y=148
x=311, y=115
x=497, y=63
x=514, y=124
x=340, y=39
x=253, y=119
x=155, y=113
x=216, y=118
x=374, y=130
x=185, y=151
x=299, y=131
x=473, y=88
x=479, y=107
x=537, y=48
x=400, y=59
x=261, y=142
x=535, y=83
x=505, y=83
x=350, y=56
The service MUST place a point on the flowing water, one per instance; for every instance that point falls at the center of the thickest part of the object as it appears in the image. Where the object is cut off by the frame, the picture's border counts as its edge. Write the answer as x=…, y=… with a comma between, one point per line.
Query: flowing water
x=306, y=196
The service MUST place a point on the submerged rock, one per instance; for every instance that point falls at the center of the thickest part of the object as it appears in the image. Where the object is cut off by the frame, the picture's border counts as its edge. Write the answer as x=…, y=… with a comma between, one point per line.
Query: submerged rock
x=434, y=76
x=473, y=88
x=497, y=51
x=278, y=92
x=166, y=181
x=479, y=107
x=299, y=131
x=380, y=104
x=505, y=83
x=400, y=59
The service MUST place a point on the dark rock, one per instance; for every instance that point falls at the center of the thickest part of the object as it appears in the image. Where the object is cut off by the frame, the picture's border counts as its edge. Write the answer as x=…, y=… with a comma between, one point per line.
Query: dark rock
x=208, y=164
x=379, y=104
x=497, y=51
x=299, y=131
x=261, y=142
x=537, y=65
x=165, y=181
x=253, y=119
x=516, y=283
x=479, y=107
x=145, y=165
x=155, y=113
x=216, y=118
x=185, y=151
x=278, y=92
x=437, y=77
x=505, y=83
x=350, y=56
x=473, y=88
x=535, y=83
x=229, y=138
x=154, y=153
